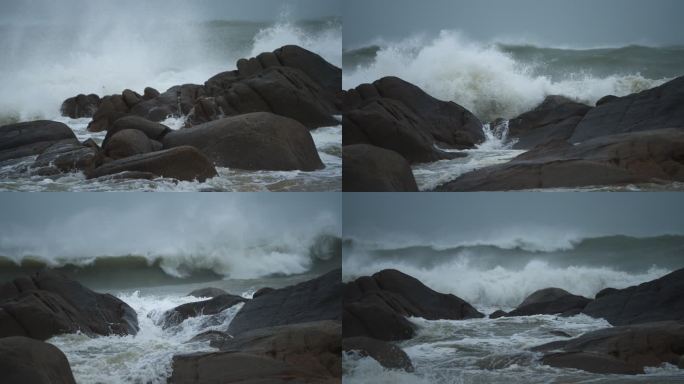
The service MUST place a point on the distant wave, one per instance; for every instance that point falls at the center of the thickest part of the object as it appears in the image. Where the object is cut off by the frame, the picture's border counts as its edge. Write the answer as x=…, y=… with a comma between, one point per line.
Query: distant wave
x=503, y=80
x=321, y=254
x=533, y=242
x=503, y=273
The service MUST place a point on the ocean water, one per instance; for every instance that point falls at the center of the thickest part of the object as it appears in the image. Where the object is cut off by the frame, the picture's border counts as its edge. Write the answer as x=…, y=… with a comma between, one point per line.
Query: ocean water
x=498, y=272
x=111, y=54
x=147, y=356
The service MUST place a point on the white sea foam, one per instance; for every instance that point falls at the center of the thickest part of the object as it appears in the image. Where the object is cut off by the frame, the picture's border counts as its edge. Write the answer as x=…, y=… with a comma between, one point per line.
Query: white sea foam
x=145, y=357
x=483, y=78
x=501, y=286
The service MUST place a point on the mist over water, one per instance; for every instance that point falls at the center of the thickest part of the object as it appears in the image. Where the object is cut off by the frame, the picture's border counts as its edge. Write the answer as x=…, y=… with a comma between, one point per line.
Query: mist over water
x=106, y=47
x=493, y=79
x=224, y=239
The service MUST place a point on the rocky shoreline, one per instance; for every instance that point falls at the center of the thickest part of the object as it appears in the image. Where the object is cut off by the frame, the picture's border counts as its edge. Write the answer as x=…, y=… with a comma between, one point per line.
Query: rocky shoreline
x=635, y=139
x=256, y=117
x=292, y=333
x=648, y=322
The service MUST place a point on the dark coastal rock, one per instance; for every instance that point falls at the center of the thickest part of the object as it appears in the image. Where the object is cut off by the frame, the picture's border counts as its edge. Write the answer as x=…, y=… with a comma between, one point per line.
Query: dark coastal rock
x=313, y=300
x=80, y=106
x=398, y=116
x=111, y=109
x=366, y=168
x=211, y=336
x=619, y=350
x=182, y=163
x=128, y=142
x=24, y=360
x=207, y=292
x=131, y=98
x=175, y=101
x=306, y=353
x=31, y=138
x=640, y=157
x=550, y=301
x=657, y=300
x=554, y=119
x=387, y=354
x=68, y=155
x=154, y=131
x=150, y=93
x=390, y=125
x=212, y=306
x=375, y=306
x=48, y=304
x=498, y=313
x=281, y=90
x=262, y=291
x=656, y=108
x=325, y=75
x=606, y=99
x=254, y=141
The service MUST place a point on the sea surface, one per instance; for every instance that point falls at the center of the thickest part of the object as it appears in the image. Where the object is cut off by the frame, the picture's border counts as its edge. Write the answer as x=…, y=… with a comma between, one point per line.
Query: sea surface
x=108, y=57
x=499, y=274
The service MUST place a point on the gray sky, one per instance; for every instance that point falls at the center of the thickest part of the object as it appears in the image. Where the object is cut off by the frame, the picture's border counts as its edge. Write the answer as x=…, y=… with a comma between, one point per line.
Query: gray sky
x=557, y=22
x=459, y=216
x=280, y=209
x=56, y=10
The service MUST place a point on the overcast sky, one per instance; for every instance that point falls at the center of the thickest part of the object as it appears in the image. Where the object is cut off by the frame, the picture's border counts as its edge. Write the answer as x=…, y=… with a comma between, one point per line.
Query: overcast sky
x=557, y=22
x=56, y=10
x=461, y=216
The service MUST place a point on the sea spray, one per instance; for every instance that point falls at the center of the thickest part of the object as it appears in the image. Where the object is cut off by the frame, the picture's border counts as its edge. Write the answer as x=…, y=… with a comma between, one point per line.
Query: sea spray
x=230, y=240
x=486, y=78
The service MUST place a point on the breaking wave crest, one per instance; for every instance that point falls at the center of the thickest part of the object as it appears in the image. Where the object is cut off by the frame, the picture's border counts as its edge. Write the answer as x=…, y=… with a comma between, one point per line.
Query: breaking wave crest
x=494, y=80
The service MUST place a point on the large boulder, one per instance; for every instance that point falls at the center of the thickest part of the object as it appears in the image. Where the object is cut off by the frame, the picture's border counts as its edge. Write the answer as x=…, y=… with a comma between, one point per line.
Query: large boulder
x=48, y=304
x=641, y=157
x=447, y=123
x=154, y=131
x=281, y=90
x=367, y=168
x=657, y=300
x=305, y=352
x=656, y=108
x=550, y=301
x=254, y=141
x=391, y=125
x=619, y=350
x=111, y=109
x=80, y=106
x=387, y=354
x=182, y=163
x=67, y=155
x=312, y=300
x=554, y=119
x=129, y=142
x=375, y=306
x=212, y=306
x=24, y=360
x=31, y=138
